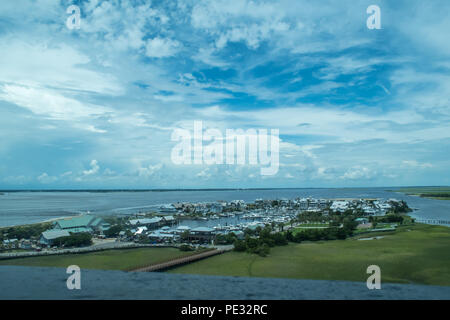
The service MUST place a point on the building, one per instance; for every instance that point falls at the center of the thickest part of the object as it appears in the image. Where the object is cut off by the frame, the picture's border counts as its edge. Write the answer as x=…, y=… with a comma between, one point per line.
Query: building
x=362, y=220
x=148, y=222
x=83, y=223
x=10, y=243
x=158, y=236
x=140, y=231
x=182, y=229
x=49, y=237
x=25, y=244
x=201, y=234
x=216, y=208
x=170, y=220
x=167, y=209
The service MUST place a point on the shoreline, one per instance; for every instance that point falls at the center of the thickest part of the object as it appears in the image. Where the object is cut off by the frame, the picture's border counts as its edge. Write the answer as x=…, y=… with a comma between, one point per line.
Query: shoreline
x=40, y=222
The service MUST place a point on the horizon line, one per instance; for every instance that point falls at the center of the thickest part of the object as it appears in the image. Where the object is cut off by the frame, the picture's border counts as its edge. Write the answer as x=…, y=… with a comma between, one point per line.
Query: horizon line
x=200, y=189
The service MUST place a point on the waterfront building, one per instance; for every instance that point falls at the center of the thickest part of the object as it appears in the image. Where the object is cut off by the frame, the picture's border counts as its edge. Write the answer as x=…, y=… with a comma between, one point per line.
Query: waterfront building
x=49, y=237
x=201, y=234
x=83, y=223
x=149, y=222
x=167, y=209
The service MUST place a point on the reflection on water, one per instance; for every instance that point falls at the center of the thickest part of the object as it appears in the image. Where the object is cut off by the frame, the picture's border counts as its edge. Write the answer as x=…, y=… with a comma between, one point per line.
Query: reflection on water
x=29, y=207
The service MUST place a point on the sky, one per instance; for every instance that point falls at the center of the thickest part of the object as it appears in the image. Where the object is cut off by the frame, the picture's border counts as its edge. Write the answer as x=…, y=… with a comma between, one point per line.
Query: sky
x=96, y=107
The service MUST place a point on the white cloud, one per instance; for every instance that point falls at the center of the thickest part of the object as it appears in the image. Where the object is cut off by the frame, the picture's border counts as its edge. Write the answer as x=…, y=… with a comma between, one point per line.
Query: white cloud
x=94, y=168
x=161, y=47
x=45, y=178
x=51, y=104
x=39, y=64
x=358, y=172
x=149, y=170
x=416, y=164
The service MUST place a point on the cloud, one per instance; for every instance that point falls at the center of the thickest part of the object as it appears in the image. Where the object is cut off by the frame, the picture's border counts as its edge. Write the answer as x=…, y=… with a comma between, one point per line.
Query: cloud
x=150, y=170
x=49, y=103
x=358, y=173
x=40, y=64
x=94, y=168
x=351, y=104
x=161, y=48
x=416, y=164
x=46, y=179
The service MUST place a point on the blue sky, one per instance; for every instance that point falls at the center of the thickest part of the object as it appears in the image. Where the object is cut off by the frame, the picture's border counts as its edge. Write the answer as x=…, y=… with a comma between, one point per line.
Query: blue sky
x=95, y=107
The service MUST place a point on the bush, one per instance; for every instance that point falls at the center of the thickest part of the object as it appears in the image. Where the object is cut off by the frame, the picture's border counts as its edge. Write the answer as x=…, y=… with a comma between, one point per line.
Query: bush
x=186, y=247
x=113, y=231
x=76, y=240
x=240, y=246
x=280, y=239
x=225, y=239
x=24, y=232
x=262, y=250
x=390, y=218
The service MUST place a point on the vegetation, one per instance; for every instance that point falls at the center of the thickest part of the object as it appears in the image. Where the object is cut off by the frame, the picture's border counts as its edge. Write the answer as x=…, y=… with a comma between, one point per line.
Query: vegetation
x=123, y=259
x=24, y=232
x=334, y=233
x=400, y=207
x=113, y=231
x=441, y=193
x=186, y=247
x=75, y=240
x=260, y=240
x=411, y=254
x=228, y=238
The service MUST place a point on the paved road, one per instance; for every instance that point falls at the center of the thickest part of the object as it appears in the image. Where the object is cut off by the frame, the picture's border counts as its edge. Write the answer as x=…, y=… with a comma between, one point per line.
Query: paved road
x=95, y=247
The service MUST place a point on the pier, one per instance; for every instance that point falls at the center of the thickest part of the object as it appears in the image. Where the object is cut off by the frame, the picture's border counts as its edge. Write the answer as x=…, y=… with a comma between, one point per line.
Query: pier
x=434, y=221
x=180, y=261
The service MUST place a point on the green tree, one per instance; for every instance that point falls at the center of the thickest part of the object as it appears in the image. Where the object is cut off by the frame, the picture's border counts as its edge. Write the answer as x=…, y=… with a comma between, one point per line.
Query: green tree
x=240, y=245
x=113, y=231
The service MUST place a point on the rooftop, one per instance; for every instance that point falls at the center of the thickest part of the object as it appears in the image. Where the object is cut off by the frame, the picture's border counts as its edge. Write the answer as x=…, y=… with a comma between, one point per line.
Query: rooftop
x=54, y=234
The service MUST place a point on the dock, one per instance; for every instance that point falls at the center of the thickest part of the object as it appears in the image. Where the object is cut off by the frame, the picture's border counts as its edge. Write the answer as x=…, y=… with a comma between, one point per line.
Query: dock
x=179, y=261
x=434, y=221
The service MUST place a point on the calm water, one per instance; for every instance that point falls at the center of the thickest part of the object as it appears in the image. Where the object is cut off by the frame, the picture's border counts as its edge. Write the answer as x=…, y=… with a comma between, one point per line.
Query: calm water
x=30, y=207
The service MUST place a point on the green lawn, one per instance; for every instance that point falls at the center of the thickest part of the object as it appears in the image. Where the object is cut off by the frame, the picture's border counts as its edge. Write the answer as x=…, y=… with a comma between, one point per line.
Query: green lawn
x=309, y=226
x=412, y=254
x=123, y=259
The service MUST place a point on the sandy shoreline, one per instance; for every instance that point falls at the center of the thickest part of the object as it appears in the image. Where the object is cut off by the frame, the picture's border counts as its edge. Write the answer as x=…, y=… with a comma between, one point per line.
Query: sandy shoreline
x=44, y=221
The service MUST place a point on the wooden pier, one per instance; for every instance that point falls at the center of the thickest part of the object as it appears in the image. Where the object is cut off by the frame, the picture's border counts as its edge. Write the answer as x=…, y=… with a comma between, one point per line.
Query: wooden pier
x=179, y=261
x=434, y=221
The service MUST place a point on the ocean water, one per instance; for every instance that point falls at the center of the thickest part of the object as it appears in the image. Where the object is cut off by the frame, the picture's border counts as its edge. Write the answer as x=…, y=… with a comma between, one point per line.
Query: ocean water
x=50, y=283
x=30, y=207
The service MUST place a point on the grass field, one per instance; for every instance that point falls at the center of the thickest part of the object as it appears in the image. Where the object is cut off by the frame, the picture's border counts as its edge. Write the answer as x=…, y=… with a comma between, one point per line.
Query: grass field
x=313, y=225
x=123, y=259
x=412, y=254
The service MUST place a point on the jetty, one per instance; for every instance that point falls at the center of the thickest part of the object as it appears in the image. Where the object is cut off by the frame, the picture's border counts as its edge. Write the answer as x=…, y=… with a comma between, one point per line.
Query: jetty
x=180, y=261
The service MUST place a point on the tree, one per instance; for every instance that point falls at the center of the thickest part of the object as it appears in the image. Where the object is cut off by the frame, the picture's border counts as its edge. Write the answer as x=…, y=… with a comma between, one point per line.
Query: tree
x=239, y=245
x=76, y=240
x=185, y=235
x=280, y=239
x=263, y=250
x=113, y=231
x=186, y=247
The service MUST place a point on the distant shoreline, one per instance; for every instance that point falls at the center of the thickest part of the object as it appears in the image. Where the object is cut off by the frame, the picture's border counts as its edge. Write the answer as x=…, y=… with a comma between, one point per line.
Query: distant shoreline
x=202, y=189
